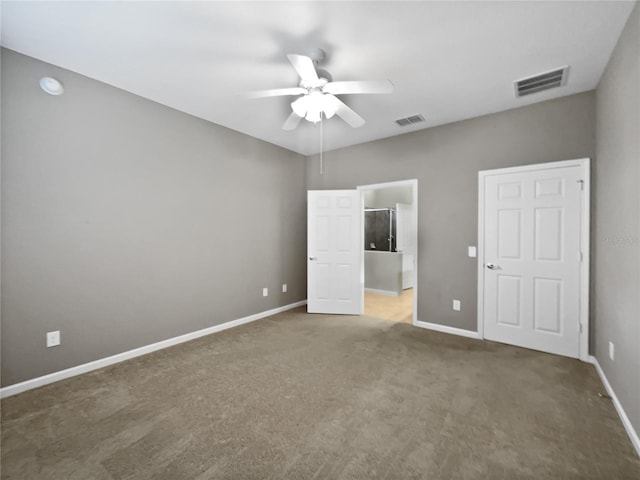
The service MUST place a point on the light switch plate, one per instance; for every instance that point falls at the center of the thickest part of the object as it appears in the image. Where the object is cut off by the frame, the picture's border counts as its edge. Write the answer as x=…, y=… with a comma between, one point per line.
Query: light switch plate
x=53, y=339
x=265, y=292
x=284, y=288
x=472, y=251
x=456, y=305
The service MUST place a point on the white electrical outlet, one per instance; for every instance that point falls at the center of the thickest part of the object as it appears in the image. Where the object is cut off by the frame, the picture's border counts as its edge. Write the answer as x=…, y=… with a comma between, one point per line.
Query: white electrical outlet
x=284, y=288
x=612, y=351
x=53, y=339
x=471, y=251
x=456, y=305
x=265, y=292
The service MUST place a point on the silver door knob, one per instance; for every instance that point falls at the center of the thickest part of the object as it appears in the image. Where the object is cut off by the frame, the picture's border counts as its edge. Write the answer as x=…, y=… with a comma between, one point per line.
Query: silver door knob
x=313, y=258
x=491, y=266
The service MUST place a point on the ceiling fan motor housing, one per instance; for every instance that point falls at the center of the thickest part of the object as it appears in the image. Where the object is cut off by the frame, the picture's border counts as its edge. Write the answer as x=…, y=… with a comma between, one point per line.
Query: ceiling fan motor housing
x=318, y=55
x=311, y=84
x=323, y=74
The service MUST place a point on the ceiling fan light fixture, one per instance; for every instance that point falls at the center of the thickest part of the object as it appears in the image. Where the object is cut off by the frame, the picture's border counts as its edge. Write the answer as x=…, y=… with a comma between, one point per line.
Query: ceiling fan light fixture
x=329, y=107
x=315, y=100
x=313, y=115
x=312, y=105
x=329, y=113
x=300, y=106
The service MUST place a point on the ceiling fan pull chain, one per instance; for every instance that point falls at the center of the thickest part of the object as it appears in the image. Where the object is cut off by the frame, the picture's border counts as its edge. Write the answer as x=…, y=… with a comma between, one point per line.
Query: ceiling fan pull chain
x=321, y=141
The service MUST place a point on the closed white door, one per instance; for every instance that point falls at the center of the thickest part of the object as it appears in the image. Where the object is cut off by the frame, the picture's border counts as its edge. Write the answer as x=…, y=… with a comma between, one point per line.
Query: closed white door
x=335, y=283
x=532, y=228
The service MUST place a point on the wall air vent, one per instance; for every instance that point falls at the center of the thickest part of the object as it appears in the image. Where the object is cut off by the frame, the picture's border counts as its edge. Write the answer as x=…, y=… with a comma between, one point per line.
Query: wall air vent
x=542, y=81
x=403, y=122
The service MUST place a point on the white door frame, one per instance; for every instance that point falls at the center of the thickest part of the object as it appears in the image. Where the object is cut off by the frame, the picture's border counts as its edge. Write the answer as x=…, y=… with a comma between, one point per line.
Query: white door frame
x=413, y=183
x=583, y=163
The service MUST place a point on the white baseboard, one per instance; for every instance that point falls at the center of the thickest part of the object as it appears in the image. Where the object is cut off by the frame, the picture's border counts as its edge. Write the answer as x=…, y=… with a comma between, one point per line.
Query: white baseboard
x=382, y=292
x=136, y=352
x=633, y=435
x=445, y=329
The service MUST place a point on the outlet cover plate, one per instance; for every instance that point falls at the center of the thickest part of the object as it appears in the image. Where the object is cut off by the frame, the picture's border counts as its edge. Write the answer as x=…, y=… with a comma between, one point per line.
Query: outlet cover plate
x=265, y=292
x=456, y=305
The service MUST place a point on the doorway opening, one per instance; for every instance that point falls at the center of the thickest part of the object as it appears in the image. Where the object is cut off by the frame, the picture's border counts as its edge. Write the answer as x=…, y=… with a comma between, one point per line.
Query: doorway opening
x=389, y=250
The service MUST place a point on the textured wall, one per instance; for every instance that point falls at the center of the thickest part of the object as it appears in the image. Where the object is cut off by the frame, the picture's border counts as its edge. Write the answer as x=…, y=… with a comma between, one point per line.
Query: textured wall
x=446, y=161
x=126, y=222
x=616, y=243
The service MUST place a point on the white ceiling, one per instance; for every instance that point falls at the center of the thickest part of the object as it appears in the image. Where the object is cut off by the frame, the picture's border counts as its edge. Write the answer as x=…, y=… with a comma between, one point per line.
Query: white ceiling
x=448, y=60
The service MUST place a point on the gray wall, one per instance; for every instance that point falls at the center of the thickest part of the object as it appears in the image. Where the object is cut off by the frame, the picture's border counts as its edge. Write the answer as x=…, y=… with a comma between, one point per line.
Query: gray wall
x=126, y=222
x=446, y=161
x=616, y=245
x=388, y=197
x=383, y=271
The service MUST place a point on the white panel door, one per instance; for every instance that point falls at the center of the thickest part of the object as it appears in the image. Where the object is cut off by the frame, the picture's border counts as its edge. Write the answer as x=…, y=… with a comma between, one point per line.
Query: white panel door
x=532, y=259
x=335, y=283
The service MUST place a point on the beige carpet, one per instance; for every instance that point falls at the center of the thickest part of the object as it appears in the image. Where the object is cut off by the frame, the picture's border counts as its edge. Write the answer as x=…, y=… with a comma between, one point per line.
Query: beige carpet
x=303, y=396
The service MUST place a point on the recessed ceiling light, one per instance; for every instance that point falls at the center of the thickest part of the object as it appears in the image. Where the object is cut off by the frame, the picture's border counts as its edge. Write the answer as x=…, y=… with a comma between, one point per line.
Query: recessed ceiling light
x=51, y=86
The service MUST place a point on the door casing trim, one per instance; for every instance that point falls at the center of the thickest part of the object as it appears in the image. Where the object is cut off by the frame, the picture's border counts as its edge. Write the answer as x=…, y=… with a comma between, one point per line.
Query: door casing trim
x=585, y=209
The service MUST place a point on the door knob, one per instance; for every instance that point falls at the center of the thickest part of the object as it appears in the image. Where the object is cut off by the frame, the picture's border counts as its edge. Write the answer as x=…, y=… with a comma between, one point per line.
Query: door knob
x=491, y=266
x=313, y=258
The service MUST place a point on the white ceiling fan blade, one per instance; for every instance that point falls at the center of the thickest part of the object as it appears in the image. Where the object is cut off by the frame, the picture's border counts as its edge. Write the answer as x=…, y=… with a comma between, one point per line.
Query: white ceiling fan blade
x=291, y=122
x=344, y=112
x=364, y=86
x=304, y=67
x=277, y=92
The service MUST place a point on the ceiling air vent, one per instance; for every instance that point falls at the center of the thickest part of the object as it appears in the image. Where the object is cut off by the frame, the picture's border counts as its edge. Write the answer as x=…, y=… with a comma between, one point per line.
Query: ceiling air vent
x=542, y=81
x=403, y=122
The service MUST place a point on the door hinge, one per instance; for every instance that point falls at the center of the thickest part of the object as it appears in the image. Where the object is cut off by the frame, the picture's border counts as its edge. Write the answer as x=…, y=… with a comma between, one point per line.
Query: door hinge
x=580, y=328
x=581, y=257
x=581, y=182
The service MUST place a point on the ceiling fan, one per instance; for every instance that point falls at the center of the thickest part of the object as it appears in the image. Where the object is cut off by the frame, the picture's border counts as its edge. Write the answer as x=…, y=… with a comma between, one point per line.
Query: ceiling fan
x=317, y=93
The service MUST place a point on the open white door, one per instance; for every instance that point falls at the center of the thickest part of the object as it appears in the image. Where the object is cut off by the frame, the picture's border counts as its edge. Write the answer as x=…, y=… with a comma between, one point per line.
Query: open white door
x=531, y=233
x=335, y=283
